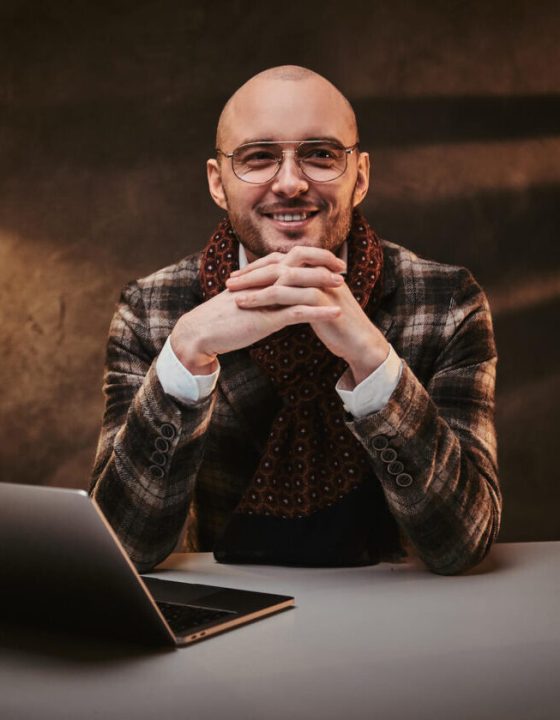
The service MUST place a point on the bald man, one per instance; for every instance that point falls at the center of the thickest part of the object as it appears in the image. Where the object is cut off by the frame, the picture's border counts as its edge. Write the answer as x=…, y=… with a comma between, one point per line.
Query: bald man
x=300, y=391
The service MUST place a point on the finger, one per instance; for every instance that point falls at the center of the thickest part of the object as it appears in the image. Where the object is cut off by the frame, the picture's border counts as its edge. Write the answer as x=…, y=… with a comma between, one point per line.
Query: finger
x=297, y=256
x=303, y=255
x=271, y=259
x=284, y=275
x=280, y=295
x=305, y=314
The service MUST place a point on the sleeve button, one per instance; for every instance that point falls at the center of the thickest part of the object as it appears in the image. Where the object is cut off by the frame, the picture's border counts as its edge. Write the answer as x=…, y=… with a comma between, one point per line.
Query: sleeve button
x=395, y=468
x=168, y=431
x=161, y=444
x=379, y=442
x=156, y=471
x=404, y=480
x=388, y=455
x=158, y=458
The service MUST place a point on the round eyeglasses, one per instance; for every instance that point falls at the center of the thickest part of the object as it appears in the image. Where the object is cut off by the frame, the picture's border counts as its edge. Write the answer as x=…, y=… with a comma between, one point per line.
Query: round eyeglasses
x=319, y=160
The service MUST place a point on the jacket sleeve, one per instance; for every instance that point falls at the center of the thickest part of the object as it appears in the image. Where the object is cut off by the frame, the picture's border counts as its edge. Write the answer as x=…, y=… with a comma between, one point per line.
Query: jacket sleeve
x=150, y=446
x=433, y=448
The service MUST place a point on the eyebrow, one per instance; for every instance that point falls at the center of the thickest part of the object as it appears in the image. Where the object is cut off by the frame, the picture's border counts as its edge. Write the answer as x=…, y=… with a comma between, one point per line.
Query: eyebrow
x=326, y=138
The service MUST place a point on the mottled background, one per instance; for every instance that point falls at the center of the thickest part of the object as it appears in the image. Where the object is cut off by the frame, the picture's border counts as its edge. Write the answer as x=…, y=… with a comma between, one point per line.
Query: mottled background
x=107, y=114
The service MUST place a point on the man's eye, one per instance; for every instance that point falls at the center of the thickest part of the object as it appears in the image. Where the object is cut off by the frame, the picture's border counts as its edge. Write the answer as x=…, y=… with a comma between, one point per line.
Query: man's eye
x=318, y=153
x=320, y=156
x=258, y=157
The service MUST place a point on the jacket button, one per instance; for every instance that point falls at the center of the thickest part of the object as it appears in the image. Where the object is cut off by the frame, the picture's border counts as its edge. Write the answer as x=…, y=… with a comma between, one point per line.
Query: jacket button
x=404, y=480
x=156, y=471
x=379, y=442
x=161, y=444
x=388, y=455
x=168, y=431
x=158, y=458
x=395, y=468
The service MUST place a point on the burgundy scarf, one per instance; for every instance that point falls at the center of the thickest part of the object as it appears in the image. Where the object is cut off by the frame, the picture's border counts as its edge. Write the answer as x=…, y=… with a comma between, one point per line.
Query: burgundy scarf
x=311, y=459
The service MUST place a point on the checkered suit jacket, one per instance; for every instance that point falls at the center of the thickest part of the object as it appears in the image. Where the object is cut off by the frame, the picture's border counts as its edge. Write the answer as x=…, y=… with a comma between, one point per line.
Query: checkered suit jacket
x=432, y=447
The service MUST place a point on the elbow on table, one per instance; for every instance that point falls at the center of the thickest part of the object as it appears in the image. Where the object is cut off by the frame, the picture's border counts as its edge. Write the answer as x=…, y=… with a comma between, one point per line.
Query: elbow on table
x=466, y=556
x=458, y=565
x=147, y=563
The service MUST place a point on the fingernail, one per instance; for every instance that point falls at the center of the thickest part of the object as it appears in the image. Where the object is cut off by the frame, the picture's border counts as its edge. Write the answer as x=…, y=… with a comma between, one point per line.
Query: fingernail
x=336, y=278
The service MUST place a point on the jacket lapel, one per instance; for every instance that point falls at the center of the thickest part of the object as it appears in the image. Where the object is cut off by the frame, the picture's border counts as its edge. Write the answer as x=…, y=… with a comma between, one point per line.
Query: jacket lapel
x=381, y=317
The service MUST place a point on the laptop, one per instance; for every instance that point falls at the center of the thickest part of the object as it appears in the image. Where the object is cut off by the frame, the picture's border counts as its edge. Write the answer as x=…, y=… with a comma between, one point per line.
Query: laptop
x=61, y=565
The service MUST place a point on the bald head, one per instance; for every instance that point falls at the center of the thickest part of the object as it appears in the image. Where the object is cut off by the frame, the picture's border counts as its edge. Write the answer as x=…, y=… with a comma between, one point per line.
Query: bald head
x=286, y=84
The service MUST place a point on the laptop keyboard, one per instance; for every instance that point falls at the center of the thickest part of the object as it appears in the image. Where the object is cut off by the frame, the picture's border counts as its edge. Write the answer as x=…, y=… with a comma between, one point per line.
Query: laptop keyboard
x=185, y=618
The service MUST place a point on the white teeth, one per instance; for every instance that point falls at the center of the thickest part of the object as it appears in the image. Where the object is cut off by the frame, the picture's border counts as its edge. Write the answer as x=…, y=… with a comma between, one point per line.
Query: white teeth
x=289, y=217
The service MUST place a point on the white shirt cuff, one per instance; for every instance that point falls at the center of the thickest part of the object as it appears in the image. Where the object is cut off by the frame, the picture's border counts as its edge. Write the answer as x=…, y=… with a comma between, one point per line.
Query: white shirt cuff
x=373, y=393
x=179, y=382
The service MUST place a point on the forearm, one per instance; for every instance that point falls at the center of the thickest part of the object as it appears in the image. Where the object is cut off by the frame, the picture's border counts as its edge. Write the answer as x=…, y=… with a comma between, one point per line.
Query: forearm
x=445, y=497
x=148, y=456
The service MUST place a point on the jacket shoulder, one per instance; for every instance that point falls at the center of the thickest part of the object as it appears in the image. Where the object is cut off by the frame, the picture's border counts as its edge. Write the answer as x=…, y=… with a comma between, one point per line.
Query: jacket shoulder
x=424, y=279
x=174, y=286
x=181, y=273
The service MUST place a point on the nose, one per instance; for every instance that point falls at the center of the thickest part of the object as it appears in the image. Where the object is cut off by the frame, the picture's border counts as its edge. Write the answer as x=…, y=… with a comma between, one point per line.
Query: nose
x=289, y=181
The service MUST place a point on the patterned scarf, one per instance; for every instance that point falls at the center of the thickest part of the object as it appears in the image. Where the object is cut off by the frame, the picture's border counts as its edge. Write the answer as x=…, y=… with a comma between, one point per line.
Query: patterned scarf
x=311, y=459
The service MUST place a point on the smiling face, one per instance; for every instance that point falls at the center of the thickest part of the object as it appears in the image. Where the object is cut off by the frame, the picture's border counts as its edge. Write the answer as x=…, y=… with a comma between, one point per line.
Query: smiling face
x=290, y=209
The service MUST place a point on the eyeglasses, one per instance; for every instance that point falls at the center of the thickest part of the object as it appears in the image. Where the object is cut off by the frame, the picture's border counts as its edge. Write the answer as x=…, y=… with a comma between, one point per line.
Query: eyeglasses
x=319, y=160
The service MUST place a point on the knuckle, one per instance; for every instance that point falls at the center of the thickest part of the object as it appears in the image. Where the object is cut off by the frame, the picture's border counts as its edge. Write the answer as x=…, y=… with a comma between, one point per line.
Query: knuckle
x=316, y=296
x=296, y=253
x=285, y=275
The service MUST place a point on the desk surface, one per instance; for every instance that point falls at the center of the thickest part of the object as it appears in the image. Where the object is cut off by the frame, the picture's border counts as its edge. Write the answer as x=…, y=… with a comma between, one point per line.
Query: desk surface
x=388, y=642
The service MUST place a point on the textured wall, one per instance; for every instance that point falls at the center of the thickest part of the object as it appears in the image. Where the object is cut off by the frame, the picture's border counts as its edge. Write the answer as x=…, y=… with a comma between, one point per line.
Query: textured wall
x=107, y=114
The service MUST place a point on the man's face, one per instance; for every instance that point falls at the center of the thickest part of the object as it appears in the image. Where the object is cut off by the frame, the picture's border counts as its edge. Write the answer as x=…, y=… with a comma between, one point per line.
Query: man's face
x=286, y=110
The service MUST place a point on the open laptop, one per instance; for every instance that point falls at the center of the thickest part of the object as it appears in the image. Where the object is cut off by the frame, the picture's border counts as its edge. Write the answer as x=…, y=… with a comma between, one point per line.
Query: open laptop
x=61, y=564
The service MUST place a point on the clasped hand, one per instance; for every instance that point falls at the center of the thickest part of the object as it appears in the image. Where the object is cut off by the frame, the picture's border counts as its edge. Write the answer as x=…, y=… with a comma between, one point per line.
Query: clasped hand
x=281, y=289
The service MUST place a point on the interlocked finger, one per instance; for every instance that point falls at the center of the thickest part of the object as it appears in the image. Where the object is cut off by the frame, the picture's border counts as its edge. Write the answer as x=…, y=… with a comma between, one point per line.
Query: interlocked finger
x=296, y=314
x=297, y=256
x=281, y=274
x=281, y=295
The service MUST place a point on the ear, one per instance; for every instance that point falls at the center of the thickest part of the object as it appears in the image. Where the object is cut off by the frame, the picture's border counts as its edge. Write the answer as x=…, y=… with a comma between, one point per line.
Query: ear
x=215, y=183
x=362, y=181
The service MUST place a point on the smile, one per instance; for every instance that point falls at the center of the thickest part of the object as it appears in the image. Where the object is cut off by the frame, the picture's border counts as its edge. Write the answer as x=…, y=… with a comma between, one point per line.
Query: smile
x=293, y=218
x=290, y=217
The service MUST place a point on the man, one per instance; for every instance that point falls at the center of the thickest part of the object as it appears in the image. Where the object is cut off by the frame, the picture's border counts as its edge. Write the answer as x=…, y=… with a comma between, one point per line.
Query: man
x=300, y=392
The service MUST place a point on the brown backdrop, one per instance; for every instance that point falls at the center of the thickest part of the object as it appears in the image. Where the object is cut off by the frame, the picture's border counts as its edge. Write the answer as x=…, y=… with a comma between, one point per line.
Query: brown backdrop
x=107, y=114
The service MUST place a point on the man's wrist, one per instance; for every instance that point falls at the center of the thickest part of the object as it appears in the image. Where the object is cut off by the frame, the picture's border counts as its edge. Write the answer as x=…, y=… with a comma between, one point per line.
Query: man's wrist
x=373, y=393
x=177, y=381
x=196, y=362
x=370, y=356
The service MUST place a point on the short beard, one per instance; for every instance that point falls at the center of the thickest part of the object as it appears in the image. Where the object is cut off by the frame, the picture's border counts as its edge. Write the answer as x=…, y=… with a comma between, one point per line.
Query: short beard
x=252, y=240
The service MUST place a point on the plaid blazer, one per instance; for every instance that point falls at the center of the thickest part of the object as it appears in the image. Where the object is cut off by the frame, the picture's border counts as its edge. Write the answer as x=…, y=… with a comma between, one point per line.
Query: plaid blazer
x=432, y=447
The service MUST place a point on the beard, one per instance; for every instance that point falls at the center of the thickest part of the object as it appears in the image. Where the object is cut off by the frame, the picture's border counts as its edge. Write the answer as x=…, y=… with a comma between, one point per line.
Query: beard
x=259, y=243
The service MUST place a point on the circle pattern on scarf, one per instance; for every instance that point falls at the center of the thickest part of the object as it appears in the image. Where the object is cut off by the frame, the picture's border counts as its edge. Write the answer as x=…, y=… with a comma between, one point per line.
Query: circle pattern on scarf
x=311, y=460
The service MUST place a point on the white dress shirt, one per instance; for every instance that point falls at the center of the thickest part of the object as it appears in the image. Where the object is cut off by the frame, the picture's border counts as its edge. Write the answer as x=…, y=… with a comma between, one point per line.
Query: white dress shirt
x=367, y=397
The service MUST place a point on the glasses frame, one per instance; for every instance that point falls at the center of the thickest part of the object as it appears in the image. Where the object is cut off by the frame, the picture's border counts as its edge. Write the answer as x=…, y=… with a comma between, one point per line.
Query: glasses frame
x=298, y=143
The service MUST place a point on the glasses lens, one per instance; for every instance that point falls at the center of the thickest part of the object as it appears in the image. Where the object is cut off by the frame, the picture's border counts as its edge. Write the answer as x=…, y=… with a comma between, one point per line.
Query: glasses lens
x=322, y=161
x=256, y=163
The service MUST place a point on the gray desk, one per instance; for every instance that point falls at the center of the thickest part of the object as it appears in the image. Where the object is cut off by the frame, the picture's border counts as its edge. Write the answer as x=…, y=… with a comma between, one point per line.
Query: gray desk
x=387, y=642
